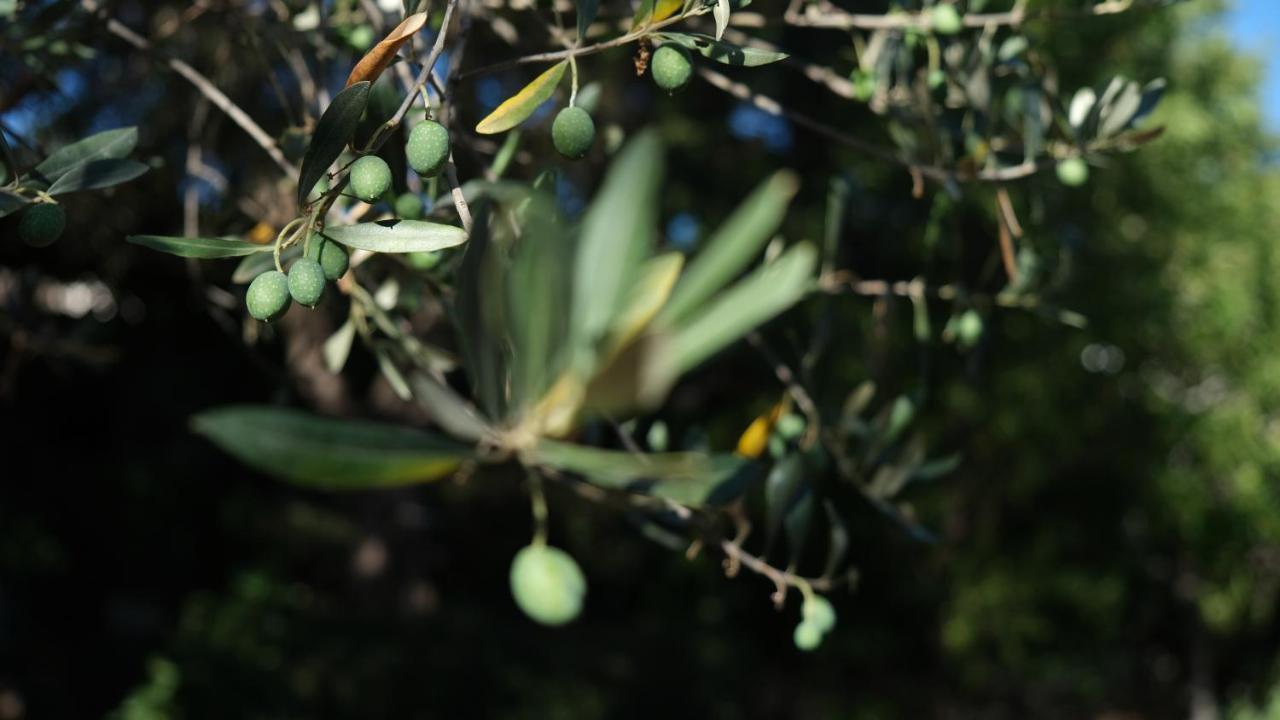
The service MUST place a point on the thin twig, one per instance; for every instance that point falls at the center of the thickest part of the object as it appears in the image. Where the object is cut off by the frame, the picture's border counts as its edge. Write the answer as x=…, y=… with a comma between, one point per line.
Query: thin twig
x=207, y=88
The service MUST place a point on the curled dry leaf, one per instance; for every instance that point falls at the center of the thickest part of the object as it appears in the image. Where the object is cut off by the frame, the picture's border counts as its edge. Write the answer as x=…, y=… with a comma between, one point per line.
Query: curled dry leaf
x=377, y=59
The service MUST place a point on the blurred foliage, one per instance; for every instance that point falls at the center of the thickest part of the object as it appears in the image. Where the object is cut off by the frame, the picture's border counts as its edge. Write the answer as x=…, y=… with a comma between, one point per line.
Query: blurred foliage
x=1108, y=544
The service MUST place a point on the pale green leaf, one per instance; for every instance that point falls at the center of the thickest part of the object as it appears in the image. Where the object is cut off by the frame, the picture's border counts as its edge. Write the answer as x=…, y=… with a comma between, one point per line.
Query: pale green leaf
x=397, y=236
x=199, y=247
x=517, y=108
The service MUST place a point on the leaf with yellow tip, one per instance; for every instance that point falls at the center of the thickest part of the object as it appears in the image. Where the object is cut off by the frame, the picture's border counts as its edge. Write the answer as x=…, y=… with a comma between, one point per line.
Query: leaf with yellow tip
x=652, y=11
x=378, y=58
x=755, y=439
x=517, y=108
x=648, y=296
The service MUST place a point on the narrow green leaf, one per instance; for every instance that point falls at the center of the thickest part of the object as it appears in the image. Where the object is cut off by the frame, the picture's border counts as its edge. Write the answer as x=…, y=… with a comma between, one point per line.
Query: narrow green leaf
x=8, y=166
x=837, y=539
x=723, y=52
x=199, y=247
x=732, y=247
x=538, y=291
x=398, y=236
x=109, y=145
x=753, y=300
x=586, y=15
x=691, y=479
x=336, y=126
x=338, y=347
x=517, y=108
x=329, y=454
x=781, y=490
x=446, y=408
x=97, y=174
x=618, y=232
x=11, y=202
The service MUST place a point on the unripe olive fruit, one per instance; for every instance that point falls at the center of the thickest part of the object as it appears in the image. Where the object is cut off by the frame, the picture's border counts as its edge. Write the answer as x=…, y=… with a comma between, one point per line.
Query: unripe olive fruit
x=808, y=636
x=818, y=611
x=306, y=281
x=361, y=37
x=937, y=78
x=547, y=584
x=370, y=178
x=42, y=223
x=946, y=20
x=423, y=260
x=331, y=255
x=409, y=207
x=293, y=143
x=268, y=296
x=671, y=67
x=969, y=328
x=1073, y=172
x=573, y=132
x=428, y=147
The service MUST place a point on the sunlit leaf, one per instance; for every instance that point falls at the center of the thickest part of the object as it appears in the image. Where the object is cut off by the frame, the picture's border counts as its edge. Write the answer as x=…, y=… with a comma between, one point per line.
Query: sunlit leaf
x=517, y=108
x=736, y=311
x=721, y=14
x=326, y=453
x=336, y=126
x=732, y=247
x=397, y=236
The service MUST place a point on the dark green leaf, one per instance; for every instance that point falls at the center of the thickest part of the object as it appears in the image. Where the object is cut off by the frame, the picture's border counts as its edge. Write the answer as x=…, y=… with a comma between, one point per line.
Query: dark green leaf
x=199, y=247
x=586, y=15
x=97, y=174
x=723, y=52
x=691, y=479
x=109, y=145
x=11, y=202
x=398, y=236
x=837, y=539
x=336, y=126
x=781, y=490
x=326, y=453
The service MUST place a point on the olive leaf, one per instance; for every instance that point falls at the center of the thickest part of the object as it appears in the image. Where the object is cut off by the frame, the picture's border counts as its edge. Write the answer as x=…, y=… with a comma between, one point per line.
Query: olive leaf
x=336, y=126
x=108, y=145
x=198, y=247
x=517, y=108
x=326, y=453
x=398, y=236
x=723, y=52
x=97, y=174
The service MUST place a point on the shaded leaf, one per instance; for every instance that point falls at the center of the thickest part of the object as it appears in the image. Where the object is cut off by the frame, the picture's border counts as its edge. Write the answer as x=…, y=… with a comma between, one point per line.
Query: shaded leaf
x=781, y=490
x=97, y=174
x=199, y=247
x=732, y=247
x=336, y=126
x=837, y=539
x=586, y=15
x=517, y=108
x=381, y=55
x=326, y=453
x=446, y=408
x=338, y=347
x=691, y=479
x=398, y=236
x=108, y=145
x=11, y=202
x=723, y=52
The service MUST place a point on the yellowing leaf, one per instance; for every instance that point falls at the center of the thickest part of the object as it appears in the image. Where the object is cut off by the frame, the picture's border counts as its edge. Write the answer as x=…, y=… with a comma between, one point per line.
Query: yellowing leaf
x=517, y=108
x=377, y=59
x=648, y=296
x=652, y=11
x=755, y=439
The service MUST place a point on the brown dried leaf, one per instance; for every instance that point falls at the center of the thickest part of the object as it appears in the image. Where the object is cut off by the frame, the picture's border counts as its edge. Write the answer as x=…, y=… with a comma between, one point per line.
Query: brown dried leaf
x=378, y=58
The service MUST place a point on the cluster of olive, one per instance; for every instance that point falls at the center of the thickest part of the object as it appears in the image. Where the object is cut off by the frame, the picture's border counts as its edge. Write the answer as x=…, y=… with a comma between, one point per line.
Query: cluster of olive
x=271, y=293
x=42, y=223
x=573, y=131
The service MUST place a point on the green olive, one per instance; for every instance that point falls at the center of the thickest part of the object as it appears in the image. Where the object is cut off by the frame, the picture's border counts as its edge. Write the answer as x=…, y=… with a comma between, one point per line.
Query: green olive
x=268, y=296
x=370, y=178
x=331, y=255
x=547, y=584
x=428, y=148
x=671, y=67
x=573, y=132
x=306, y=281
x=42, y=224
